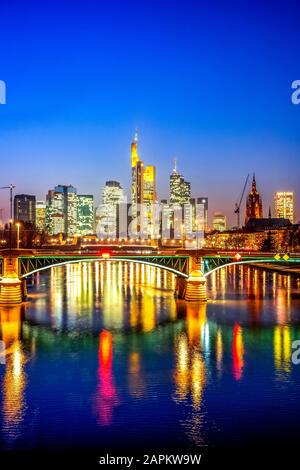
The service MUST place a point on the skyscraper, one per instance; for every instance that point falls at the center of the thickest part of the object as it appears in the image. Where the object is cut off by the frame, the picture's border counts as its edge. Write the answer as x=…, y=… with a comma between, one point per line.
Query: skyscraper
x=254, y=203
x=143, y=189
x=24, y=208
x=61, y=210
x=112, y=196
x=85, y=214
x=180, y=190
x=40, y=211
x=284, y=205
x=137, y=184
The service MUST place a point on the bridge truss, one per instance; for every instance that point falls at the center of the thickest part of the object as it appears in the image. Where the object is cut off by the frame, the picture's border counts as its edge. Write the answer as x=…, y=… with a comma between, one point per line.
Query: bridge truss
x=31, y=264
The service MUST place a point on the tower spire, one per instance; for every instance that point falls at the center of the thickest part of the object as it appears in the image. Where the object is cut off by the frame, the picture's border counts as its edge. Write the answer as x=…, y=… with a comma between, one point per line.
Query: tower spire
x=254, y=183
x=136, y=136
x=175, y=166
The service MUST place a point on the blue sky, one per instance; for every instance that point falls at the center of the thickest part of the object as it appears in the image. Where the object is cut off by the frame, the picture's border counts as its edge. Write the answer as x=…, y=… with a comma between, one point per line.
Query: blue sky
x=206, y=82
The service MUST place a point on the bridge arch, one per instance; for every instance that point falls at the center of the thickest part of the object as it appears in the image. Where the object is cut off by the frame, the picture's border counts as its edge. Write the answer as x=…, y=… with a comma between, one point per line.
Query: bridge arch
x=233, y=263
x=109, y=260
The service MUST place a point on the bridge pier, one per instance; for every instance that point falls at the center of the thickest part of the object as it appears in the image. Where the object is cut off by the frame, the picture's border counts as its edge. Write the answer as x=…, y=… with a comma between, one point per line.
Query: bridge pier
x=192, y=289
x=10, y=284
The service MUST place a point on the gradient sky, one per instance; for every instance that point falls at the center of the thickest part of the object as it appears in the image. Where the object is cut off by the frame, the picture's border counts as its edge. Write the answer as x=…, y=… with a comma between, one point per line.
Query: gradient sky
x=207, y=82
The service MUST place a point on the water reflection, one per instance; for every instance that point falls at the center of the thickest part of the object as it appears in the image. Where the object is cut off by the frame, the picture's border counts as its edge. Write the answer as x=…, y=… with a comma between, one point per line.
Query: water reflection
x=119, y=292
x=127, y=341
x=106, y=397
x=14, y=378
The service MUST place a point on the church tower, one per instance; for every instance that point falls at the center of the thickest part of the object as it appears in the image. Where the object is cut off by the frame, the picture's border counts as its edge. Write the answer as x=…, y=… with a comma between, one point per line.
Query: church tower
x=254, y=203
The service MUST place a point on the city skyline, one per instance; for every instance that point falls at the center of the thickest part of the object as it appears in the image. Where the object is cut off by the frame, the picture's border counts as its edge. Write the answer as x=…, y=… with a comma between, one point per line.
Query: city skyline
x=268, y=202
x=73, y=101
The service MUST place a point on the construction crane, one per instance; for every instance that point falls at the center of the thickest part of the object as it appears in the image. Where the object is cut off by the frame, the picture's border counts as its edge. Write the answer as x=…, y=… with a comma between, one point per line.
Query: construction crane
x=11, y=187
x=238, y=205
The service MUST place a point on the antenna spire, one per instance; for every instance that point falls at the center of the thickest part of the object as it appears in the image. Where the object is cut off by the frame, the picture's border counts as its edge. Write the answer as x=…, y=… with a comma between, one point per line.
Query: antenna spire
x=175, y=165
x=136, y=136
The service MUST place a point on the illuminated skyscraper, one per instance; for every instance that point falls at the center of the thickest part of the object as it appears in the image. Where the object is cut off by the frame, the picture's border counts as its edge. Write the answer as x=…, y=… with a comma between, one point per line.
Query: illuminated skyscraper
x=24, y=208
x=180, y=190
x=143, y=188
x=107, y=213
x=40, y=212
x=254, y=203
x=137, y=168
x=284, y=205
x=85, y=214
x=61, y=210
x=55, y=220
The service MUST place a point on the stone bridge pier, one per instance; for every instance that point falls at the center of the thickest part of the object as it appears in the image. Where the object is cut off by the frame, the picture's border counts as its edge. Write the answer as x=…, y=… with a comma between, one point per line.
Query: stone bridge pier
x=193, y=288
x=12, y=289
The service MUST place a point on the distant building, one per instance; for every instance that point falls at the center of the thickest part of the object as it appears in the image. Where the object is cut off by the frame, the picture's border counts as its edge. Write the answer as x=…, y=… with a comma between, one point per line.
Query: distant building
x=40, y=213
x=85, y=214
x=24, y=208
x=204, y=202
x=254, y=234
x=219, y=222
x=254, y=203
x=107, y=213
x=284, y=205
x=61, y=210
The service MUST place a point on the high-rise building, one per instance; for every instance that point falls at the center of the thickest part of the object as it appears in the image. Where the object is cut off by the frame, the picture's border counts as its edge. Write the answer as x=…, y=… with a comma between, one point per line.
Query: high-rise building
x=40, y=213
x=61, y=210
x=284, y=205
x=254, y=203
x=137, y=183
x=180, y=190
x=112, y=196
x=199, y=213
x=143, y=189
x=219, y=222
x=85, y=214
x=24, y=208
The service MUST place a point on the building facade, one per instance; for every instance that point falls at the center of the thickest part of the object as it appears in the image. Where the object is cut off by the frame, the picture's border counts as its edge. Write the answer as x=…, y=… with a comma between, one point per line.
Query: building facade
x=85, y=214
x=107, y=214
x=40, y=212
x=24, y=208
x=284, y=205
x=61, y=210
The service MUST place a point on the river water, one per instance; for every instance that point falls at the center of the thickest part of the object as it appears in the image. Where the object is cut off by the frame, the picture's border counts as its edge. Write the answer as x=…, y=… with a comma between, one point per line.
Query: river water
x=102, y=356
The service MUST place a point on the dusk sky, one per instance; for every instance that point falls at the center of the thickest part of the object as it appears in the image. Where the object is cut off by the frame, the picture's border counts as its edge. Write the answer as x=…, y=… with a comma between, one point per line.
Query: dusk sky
x=206, y=82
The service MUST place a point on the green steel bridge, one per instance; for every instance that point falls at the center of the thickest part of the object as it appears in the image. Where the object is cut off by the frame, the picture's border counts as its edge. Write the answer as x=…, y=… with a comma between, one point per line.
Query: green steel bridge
x=179, y=264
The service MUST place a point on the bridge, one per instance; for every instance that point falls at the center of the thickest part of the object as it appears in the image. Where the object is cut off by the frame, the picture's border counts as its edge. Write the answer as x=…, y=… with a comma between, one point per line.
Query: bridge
x=190, y=268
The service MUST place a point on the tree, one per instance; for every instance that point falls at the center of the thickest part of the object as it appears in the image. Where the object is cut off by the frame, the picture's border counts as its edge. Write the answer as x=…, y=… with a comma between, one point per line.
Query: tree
x=268, y=244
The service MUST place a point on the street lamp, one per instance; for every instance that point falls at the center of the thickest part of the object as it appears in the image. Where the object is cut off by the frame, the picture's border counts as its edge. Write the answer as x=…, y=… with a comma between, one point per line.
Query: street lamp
x=10, y=238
